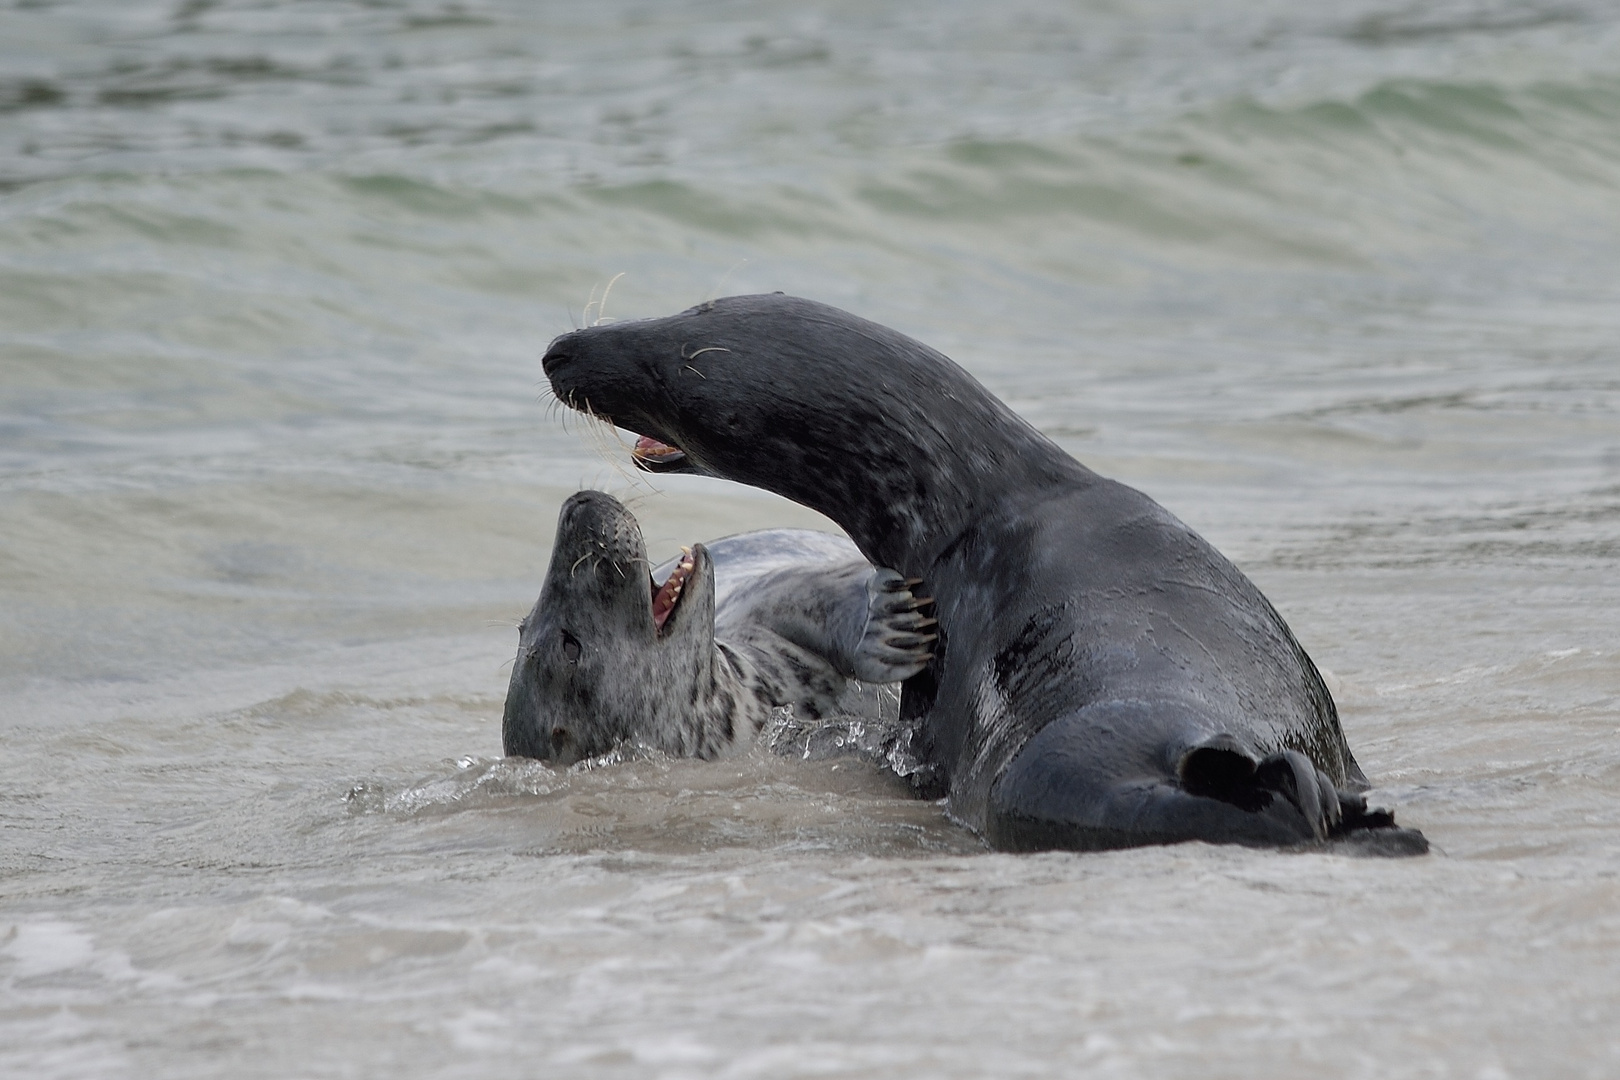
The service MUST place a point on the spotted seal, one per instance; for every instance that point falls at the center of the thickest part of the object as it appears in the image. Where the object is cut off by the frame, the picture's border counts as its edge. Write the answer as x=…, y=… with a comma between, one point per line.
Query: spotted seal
x=1103, y=676
x=692, y=657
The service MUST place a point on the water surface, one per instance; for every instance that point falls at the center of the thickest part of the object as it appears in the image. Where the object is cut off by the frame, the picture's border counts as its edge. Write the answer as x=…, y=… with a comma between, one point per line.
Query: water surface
x=1337, y=284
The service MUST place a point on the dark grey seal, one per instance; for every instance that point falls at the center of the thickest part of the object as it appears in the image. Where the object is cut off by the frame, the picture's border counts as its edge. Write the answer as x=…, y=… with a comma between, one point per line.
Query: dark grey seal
x=692, y=657
x=1103, y=676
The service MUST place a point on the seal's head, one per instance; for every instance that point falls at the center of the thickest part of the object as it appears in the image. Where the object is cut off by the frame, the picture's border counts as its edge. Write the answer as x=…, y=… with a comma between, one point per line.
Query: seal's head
x=880, y=432
x=608, y=653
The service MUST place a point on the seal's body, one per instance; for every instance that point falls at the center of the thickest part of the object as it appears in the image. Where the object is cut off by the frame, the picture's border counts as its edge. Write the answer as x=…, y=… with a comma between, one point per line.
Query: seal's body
x=1103, y=676
x=691, y=658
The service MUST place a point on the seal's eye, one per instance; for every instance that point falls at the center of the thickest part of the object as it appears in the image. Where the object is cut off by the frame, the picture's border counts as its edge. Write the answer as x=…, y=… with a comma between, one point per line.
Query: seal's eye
x=570, y=647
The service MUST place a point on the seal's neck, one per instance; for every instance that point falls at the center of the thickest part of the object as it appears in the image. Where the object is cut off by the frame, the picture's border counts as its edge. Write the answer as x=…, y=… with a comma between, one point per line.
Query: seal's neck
x=727, y=707
x=904, y=497
x=891, y=439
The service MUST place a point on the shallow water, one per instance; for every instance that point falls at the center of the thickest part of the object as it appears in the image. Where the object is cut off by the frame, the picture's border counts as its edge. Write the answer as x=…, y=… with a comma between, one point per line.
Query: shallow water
x=278, y=473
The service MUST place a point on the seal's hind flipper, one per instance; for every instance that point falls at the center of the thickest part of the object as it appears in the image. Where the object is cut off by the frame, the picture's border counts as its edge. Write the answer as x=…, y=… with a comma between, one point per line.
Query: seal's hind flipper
x=1220, y=768
x=1365, y=830
x=898, y=641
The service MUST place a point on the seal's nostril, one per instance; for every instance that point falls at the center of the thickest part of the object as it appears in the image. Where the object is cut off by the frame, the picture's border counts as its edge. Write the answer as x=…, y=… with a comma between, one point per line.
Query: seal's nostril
x=559, y=352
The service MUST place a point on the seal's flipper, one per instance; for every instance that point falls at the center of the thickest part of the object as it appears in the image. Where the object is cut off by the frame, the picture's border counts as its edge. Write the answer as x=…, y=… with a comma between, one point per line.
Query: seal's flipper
x=1292, y=775
x=1356, y=814
x=1220, y=768
x=898, y=641
x=1365, y=830
x=1391, y=842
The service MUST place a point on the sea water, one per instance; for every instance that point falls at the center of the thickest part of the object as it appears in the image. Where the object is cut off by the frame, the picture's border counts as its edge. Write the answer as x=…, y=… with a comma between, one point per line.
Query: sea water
x=1338, y=284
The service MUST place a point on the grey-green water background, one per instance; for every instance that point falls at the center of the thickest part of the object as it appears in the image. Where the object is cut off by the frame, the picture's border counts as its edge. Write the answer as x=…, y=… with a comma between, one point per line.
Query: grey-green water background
x=1337, y=283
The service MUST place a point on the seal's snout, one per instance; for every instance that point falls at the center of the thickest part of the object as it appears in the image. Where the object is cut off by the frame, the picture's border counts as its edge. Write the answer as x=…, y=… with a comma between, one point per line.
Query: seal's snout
x=558, y=353
x=595, y=514
x=594, y=525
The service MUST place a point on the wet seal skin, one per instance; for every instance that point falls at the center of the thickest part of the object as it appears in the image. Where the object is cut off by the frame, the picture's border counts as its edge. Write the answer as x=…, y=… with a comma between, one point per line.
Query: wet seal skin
x=1103, y=676
x=692, y=657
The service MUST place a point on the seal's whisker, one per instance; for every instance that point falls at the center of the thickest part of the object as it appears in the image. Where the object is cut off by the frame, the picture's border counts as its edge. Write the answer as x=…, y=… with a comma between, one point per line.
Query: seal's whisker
x=601, y=307
x=640, y=496
x=721, y=284
x=609, y=444
x=589, y=303
x=547, y=397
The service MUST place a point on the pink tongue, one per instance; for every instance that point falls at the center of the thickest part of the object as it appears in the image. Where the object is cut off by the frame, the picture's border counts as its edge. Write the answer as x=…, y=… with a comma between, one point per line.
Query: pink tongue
x=648, y=448
x=663, y=601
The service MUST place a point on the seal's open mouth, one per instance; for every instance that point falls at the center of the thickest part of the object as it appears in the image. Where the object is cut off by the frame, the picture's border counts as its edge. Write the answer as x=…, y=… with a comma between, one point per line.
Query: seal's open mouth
x=667, y=595
x=654, y=456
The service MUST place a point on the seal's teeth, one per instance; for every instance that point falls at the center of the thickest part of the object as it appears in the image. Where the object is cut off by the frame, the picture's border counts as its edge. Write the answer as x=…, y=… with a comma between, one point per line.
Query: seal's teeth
x=649, y=452
x=665, y=596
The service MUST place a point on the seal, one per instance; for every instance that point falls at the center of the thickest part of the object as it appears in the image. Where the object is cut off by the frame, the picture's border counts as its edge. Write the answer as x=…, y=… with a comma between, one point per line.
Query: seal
x=692, y=657
x=1103, y=676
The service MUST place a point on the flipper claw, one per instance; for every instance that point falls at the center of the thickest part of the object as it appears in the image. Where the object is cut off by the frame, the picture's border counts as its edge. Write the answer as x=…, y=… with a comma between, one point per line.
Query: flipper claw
x=894, y=646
